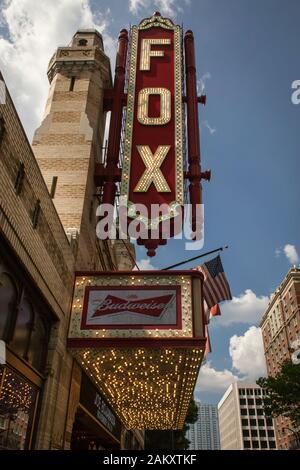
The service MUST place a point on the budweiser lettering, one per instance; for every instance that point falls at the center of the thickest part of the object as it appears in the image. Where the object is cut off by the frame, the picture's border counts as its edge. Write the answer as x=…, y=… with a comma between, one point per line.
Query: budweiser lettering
x=153, y=306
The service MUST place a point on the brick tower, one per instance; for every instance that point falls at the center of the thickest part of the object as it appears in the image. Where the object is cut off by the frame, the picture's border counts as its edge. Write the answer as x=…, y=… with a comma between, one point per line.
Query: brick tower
x=69, y=141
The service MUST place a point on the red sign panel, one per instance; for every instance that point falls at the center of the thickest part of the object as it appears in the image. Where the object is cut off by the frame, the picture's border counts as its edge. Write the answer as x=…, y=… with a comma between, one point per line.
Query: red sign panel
x=153, y=159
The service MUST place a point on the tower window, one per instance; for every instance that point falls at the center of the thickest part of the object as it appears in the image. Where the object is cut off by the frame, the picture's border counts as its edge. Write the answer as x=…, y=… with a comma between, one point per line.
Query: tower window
x=72, y=83
x=53, y=187
x=82, y=42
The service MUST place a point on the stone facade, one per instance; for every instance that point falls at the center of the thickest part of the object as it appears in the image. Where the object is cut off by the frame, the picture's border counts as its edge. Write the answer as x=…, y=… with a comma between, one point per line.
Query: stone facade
x=47, y=214
x=44, y=251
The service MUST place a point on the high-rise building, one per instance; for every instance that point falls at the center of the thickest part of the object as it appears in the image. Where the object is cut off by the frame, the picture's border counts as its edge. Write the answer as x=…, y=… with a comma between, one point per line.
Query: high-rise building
x=204, y=434
x=242, y=423
x=280, y=327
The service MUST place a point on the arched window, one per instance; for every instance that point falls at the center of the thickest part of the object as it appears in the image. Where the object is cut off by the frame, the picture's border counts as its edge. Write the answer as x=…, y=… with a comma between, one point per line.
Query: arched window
x=38, y=343
x=24, y=325
x=82, y=42
x=8, y=301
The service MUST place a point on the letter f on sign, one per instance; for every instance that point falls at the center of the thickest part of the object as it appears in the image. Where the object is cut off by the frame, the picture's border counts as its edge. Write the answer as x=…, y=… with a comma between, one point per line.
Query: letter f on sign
x=146, y=51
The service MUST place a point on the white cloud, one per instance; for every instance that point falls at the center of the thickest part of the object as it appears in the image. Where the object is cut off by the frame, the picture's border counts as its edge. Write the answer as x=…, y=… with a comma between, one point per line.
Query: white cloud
x=201, y=83
x=247, y=354
x=278, y=252
x=34, y=30
x=166, y=7
x=212, y=130
x=248, y=363
x=247, y=308
x=145, y=265
x=291, y=254
x=211, y=380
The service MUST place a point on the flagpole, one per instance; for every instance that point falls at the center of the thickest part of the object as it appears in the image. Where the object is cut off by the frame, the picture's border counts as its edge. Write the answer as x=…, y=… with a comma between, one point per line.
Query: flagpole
x=196, y=257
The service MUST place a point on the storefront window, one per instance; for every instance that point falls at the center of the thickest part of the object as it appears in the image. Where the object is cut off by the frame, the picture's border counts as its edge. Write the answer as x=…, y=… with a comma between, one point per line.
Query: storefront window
x=18, y=399
x=8, y=300
x=24, y=325
x=38, y=343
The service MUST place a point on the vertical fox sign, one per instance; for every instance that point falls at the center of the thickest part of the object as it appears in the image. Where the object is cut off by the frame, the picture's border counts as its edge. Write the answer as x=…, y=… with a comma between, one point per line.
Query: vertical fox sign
x=153, y=158
x=153, y=165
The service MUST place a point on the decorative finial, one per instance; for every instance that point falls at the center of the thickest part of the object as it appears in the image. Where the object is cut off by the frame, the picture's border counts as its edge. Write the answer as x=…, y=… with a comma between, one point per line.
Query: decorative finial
x=156, y=13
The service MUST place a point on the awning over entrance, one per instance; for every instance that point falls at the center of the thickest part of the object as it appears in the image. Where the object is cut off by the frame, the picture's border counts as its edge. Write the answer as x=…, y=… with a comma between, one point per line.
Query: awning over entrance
x=140, y=338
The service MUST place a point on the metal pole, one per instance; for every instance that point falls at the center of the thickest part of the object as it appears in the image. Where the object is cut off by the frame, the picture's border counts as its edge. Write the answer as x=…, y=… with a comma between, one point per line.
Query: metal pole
x=194, y=159
x=113, y=149
x=195, y=257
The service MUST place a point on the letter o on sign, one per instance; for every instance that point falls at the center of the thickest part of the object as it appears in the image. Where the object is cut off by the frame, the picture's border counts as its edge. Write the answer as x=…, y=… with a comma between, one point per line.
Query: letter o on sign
x=143, y=106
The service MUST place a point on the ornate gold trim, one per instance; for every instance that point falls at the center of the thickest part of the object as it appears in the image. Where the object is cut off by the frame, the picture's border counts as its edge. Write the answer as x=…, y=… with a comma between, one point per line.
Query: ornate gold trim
x=178, y=115
x=157, y=21
x=178, y=141
x=183, y=281
x=129, y=113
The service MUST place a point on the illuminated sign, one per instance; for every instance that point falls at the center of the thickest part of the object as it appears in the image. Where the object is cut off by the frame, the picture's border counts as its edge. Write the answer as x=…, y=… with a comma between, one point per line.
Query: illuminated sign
x=140, y=338
x=153, y=159
x=113, y=307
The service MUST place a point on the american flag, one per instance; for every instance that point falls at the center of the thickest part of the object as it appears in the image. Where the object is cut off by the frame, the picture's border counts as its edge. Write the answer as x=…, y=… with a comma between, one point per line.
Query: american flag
x=215, y=286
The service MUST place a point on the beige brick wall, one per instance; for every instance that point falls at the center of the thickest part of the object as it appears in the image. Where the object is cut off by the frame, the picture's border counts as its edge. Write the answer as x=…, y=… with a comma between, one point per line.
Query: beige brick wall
x=47, y=257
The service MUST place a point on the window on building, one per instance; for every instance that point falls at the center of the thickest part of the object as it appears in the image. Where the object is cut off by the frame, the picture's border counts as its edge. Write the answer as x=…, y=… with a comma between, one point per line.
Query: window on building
x=244, y=422
x=72, y=83
x=8, y=301
x=38, y=342
x=2, y=129
x=247, y=445
x=262, y=433
x=261, y=422
x=242, y=401
x=36, y=213
x=258, y=401
x=270, y=433
x=251, y=412
x=255, y=444
x=272, y=444
x=269, y=422
x=82, y=42
x=20, y=178
x=260, y=411
x=243, y=412
x=249, y=391
x=250, y=401
x=252, y=422
x=246, y=433
x=253, y=433
x=263, y=444
x=53, y=187
x=24, y=323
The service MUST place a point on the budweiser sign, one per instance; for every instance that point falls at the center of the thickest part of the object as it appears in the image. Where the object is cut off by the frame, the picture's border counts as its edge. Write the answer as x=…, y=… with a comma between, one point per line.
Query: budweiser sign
x=114, y=305
x=131, y=307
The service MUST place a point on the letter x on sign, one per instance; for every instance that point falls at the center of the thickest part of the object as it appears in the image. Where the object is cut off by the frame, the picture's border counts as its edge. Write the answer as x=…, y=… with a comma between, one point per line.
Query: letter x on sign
x=152, y=173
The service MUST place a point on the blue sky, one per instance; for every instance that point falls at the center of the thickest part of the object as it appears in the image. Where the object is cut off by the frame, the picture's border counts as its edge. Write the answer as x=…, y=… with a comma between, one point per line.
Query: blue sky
x=250, y=136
